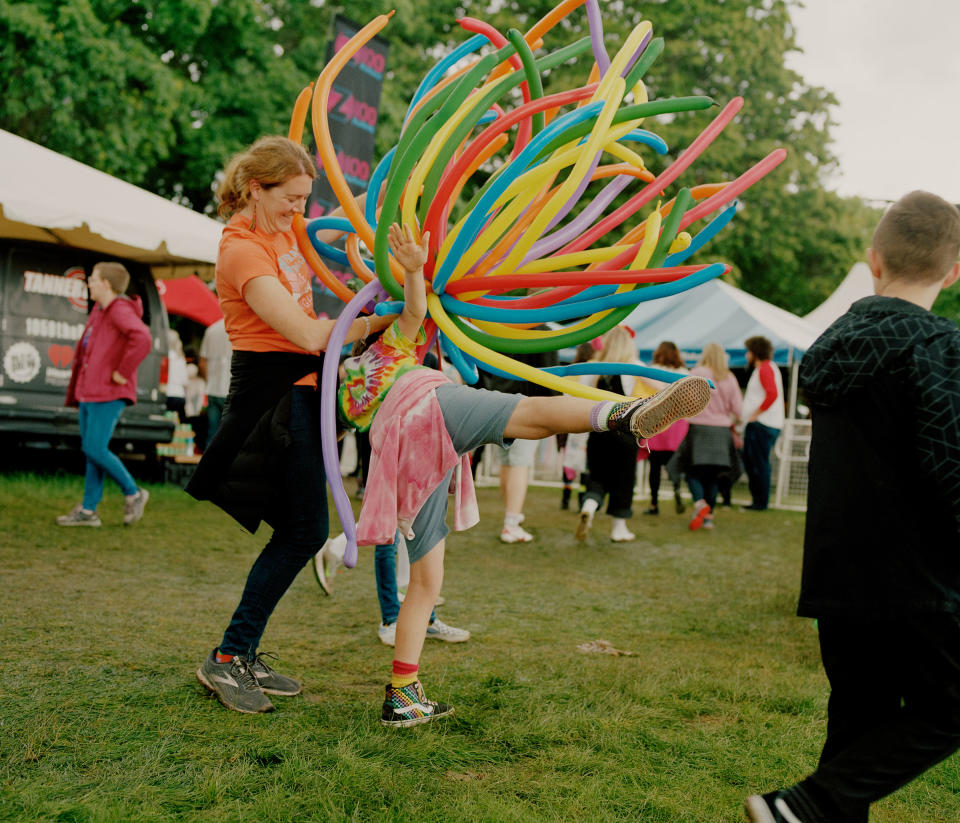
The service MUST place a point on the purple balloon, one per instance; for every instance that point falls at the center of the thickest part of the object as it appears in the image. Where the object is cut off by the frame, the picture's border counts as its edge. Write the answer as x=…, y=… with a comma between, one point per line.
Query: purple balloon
x=595, y=22
x=328, y=415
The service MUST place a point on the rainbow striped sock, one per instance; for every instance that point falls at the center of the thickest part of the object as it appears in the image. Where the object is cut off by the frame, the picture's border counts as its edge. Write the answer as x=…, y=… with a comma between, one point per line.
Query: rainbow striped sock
x=403, y=674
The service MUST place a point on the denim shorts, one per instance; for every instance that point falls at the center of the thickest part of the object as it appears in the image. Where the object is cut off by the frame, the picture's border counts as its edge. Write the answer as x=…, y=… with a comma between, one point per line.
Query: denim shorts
x=473, y=417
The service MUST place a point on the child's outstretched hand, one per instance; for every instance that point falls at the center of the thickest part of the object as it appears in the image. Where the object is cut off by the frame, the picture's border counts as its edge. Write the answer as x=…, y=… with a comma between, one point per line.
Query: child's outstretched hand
x=406, y=251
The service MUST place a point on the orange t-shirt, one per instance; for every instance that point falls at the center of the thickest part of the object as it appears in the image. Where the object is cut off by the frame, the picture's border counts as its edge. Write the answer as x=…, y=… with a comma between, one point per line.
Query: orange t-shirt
x=244, y=255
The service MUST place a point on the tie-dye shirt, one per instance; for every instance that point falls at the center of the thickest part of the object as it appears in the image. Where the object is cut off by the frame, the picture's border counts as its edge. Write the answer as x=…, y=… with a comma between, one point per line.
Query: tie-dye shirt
x=370, y=375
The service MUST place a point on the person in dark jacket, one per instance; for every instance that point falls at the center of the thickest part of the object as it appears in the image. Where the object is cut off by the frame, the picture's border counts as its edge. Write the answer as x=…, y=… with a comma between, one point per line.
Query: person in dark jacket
x=881, y=564
x=102, y=383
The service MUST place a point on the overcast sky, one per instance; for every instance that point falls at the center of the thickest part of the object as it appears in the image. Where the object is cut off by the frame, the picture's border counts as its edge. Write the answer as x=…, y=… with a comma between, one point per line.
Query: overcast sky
x=895, y=69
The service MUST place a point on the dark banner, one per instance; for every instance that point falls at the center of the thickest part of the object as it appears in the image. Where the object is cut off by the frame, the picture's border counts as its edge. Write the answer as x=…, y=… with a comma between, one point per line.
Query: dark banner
x=352, y=110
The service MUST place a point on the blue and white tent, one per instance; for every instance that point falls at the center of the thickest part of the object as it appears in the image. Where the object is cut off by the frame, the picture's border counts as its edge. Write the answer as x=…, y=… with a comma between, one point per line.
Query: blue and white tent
x=717, y=312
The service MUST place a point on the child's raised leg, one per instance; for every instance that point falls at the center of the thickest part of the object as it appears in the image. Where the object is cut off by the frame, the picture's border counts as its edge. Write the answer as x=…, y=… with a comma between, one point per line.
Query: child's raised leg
x=534, y=418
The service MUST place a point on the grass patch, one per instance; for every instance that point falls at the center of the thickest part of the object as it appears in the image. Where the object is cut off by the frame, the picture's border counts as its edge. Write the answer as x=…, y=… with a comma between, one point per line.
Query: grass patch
x=101, y=717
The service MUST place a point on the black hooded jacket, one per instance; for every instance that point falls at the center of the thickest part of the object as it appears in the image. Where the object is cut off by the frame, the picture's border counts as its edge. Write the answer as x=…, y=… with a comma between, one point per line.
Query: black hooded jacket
x=883, y=509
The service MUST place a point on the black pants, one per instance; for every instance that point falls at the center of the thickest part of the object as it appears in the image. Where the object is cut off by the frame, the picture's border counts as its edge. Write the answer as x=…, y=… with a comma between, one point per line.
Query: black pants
x=296, y=538
x=894, y=708
x=657, y=460
x=612, y=467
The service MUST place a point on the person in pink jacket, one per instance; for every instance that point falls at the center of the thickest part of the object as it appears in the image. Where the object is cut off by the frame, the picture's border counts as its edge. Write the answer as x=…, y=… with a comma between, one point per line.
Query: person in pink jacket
x=420, y=437
x=104, y=381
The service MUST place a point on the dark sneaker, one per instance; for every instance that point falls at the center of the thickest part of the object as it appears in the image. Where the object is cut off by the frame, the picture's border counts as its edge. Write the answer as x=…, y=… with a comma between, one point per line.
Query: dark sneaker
x=133, y=507
x=686, y=398
x=408, y=706
x=772, y=808
x=678, y=506
x=272, y=682
x=78, y=517
x=234, y=684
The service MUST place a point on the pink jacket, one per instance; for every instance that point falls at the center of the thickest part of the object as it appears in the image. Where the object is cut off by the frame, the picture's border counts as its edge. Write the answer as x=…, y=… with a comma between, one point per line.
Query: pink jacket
x=410, y=454
x=114, y=339
x=726, y=403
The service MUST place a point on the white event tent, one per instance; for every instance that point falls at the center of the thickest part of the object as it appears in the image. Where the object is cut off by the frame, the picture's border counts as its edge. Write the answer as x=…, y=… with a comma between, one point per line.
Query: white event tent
x=47, y=197
x=857, y=284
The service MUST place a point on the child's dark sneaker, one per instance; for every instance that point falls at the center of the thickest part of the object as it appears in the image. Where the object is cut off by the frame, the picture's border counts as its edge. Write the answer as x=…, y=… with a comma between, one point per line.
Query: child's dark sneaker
x=408, y=706
x=272, y=682
x=772, y=808
x=686, y=398
x=234, y=684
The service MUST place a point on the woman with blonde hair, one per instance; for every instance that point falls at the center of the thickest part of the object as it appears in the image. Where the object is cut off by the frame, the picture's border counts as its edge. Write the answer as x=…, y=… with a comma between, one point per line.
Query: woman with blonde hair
x=612, y=457
x=707, y=448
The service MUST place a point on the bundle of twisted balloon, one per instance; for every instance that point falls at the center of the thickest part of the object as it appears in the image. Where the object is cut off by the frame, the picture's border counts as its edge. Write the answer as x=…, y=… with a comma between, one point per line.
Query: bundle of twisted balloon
x=525, y=249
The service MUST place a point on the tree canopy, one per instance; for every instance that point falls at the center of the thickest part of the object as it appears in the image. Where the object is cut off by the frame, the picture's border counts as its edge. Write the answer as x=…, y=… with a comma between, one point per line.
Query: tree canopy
x=162, y=92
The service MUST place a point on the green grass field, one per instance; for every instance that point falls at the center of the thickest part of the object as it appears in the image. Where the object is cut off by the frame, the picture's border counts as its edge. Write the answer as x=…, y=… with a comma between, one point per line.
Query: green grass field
x=102, y=719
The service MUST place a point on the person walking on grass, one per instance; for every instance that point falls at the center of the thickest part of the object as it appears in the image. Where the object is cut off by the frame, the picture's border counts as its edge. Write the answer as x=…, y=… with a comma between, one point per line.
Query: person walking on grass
x=264, y=462
x=881, y=566
x=764, y=415
x=662, y=447
x=421, y=436
x=707, y=449
x=103, y=382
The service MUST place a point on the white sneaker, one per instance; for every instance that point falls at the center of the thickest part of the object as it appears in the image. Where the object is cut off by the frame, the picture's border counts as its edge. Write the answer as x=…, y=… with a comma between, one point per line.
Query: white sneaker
x=622, y=536
x=387, y=634
x=515, y=534
x=326, y=560
x=438, y=630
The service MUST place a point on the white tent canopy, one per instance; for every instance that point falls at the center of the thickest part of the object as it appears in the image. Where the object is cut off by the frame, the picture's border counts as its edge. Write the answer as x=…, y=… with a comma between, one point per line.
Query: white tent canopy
x=857, y=284
x=48, y=197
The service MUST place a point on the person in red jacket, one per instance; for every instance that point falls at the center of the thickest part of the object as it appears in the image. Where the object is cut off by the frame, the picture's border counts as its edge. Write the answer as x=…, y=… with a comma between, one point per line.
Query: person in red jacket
x=104, y=380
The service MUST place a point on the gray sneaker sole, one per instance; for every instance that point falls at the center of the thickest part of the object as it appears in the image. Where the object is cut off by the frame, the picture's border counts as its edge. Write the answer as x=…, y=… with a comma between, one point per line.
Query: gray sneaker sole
x=93, y=523
x=208, y=685
x=685, y=398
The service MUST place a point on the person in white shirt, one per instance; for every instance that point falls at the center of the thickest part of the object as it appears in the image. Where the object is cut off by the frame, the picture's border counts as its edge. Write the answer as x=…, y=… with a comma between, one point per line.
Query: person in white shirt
x=176, y=376
x=763, y=414
x=215, y=353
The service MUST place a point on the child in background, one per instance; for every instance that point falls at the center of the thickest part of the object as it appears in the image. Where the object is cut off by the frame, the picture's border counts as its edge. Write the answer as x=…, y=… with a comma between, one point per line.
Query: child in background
x=421, y=437
x=881, y=569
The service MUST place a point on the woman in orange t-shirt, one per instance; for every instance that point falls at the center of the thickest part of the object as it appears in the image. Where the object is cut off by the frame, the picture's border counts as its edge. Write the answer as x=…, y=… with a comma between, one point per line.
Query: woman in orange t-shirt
x=265, y=460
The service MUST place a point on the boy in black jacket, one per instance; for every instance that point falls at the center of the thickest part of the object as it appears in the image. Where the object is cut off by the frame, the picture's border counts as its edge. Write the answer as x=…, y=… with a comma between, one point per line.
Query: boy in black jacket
x=881, y=564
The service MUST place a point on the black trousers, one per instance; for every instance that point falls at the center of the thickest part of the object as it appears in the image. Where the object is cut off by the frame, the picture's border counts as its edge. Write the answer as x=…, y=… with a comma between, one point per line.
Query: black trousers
x=612, y=470
x=894, y=708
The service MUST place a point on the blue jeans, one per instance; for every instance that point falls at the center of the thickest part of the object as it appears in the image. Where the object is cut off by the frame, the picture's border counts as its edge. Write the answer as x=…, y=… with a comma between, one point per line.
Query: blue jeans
x=385, y=568
x=97, y=422
x=300, y=530
x=702, y=481
x=758, y=439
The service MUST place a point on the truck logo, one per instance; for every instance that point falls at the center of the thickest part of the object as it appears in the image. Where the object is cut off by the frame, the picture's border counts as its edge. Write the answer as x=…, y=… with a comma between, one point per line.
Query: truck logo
x=21, y=362
x=72, y=285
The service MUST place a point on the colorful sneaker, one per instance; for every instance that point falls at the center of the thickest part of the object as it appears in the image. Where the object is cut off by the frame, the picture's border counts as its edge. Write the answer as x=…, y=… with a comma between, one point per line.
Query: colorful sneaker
x=272, y=682
x=686, y=398
x=583, y=525
x=408, y=706
x=438, y=630
x=701, y=511
x=387, y=633
x=133, y=507
x=78, y=517
x=234, y=684
x=772, y=808
x=515, y=534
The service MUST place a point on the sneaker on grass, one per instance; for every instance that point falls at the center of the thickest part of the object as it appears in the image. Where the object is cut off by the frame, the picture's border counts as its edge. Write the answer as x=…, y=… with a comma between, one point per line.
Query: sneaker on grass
x=515, y=534
x=79, y=517
x=387, y=632
x=408, y=706
x=234, y=684
x=438, y=630
x=773, y=808
x=133, y=507
x=272, y=682
x=326, y=561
